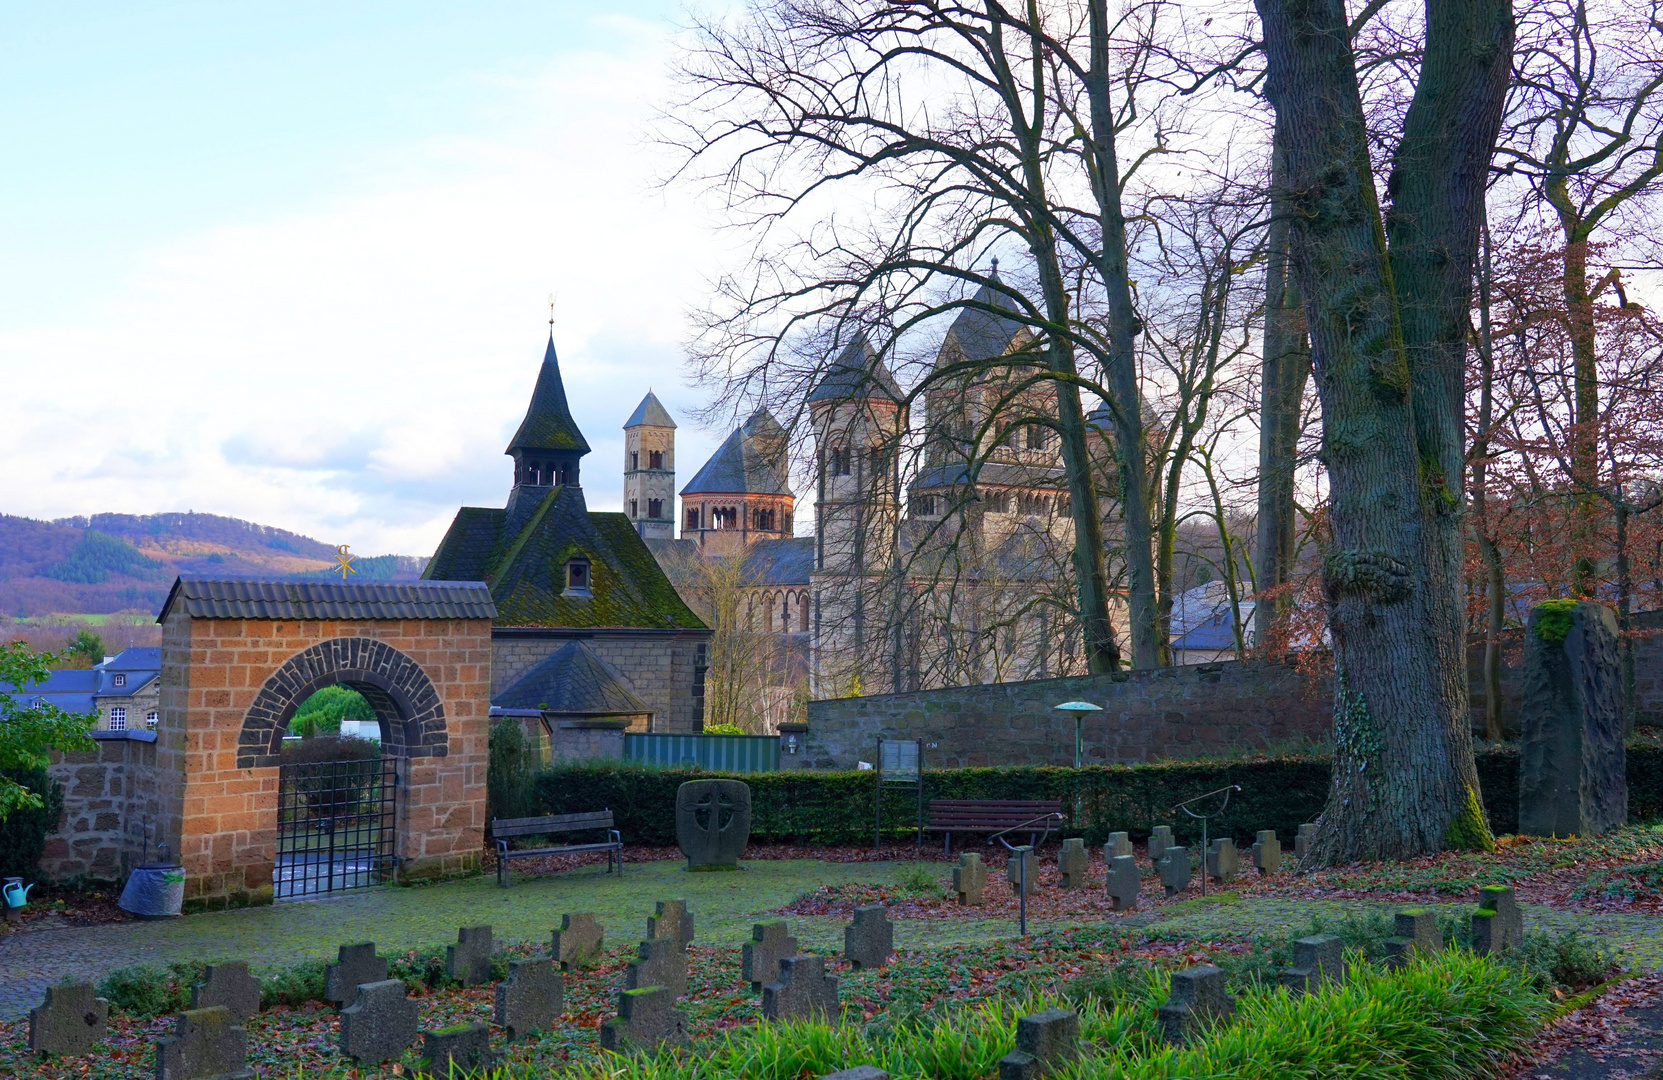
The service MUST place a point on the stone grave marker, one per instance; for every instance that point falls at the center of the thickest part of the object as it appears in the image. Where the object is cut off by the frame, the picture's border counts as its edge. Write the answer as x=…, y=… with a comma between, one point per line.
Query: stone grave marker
x=646, y=1018
x=1160, y=838
x=1198, y=999
x=969, y=879
x=206, y=1044
x=759, y=961
x=1417, y=932
x=1119, y=844
x=1072, y=861
x=1125, y=882
x=1013, y=869
x=869, y=941
x=1043, y=1041
x=859, y=1072
x=1302, y=843
x=659, y=962
x=469, y=960
x=1267, y=852
x=230, y=985
x=713, y=822
x=1572, y=766
x=463, y=1050
x=578, y=942
x=803, y=991
x=530, y=998
x=70, y=1019
x=672, y=921
x=1498, y=924
x=1223, y=861
x=1175, y=870
x=355, y=965
x=1316, y=960
x=381, y=1023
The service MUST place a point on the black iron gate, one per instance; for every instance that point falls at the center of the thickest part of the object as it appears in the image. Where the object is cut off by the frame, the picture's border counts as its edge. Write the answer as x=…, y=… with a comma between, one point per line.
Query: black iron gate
x=335, y=826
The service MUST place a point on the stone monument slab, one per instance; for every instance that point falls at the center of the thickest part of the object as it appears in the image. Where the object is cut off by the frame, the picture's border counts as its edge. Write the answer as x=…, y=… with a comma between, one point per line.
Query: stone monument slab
x=713, y=822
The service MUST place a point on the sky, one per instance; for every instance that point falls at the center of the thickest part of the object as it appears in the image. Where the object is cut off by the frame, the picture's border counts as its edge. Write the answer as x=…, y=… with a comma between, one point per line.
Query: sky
x=290, y=262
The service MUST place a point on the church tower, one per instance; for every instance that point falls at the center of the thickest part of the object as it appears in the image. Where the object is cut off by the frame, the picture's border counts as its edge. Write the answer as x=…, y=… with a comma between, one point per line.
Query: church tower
x=650, y=469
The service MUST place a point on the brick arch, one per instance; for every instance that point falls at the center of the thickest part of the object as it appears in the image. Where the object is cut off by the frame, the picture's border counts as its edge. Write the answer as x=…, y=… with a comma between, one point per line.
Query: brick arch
x=411, y=712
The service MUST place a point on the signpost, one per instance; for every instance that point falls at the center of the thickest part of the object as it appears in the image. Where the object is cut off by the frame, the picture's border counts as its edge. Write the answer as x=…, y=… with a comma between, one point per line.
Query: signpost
x=900, y=761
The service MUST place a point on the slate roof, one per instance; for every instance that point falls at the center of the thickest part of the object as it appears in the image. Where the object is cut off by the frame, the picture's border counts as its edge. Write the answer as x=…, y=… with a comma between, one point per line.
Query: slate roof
x=993, y=474
x=249, y=598
x=747, y=463
x=650, y=413
x=857, y=375
x=981, y=334
x=779, y=562
x=72, y=691
x=548, y=423
x=525, y=568
x=135, y=658
x=575, y=682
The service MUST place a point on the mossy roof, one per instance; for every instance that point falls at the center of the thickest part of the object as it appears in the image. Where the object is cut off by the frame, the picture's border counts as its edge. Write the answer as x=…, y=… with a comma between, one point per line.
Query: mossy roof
x=548, y=423
x=526, y=571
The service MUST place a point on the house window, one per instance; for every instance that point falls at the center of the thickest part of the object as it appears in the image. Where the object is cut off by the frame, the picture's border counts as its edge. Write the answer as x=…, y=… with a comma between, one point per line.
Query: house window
x=118, y=719
x=150, y=719
x=121, y=680
x=923, y=505
x=655, y=508
x=632, y=506
x=634, y=459
x=577, y=576
x=701, y=662
x=655, y=459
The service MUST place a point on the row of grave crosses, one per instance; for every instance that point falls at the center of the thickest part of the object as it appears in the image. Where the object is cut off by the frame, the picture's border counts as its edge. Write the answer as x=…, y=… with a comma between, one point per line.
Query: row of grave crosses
x=379, y=1021
x=1172, y=862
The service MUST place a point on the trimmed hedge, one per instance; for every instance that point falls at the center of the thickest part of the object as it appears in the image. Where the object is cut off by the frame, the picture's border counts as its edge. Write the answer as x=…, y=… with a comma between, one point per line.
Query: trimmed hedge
x=837, y=807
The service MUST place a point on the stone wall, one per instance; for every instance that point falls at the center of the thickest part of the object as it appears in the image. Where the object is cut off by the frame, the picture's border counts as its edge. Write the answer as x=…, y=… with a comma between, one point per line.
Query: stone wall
x=112, y=810
x=658, y=664
x=1148, y=715
x=582, y=740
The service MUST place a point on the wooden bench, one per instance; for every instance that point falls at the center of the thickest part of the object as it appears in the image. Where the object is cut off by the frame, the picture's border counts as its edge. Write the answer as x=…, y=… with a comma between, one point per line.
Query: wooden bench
x=505, y=829
x=992, y=816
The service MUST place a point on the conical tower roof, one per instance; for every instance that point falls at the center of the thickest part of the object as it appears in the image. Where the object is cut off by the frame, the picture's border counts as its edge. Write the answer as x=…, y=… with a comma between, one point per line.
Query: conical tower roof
x=650, y=413
x=750, y=462
x=856, y=375
x=548, y=423
x=982, y=334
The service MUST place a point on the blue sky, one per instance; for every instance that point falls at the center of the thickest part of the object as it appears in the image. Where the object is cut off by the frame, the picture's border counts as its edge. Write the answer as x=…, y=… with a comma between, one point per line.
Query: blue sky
x=290, y=262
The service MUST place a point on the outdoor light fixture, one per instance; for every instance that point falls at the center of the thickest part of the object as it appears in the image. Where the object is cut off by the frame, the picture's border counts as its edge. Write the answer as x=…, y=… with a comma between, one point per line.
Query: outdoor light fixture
x=1079, y=710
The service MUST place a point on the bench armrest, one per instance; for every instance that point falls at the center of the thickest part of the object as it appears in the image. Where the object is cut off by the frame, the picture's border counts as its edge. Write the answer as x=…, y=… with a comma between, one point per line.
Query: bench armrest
x=617, y=837
x=502, y=847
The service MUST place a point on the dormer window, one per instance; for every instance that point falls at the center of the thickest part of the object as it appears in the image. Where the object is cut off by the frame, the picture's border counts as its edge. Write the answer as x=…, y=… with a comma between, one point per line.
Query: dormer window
x=121, y=680
x=577, y=577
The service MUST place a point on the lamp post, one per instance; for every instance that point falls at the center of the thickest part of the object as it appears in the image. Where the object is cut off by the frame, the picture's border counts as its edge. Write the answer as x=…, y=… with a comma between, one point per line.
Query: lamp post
x=1079, y=710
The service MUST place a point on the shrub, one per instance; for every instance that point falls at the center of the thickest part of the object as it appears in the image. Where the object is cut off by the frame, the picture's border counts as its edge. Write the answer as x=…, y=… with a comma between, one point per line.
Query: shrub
x=511, y=772
x=322, y=713
x=724, y=729
x=146, y=990
x=24, y=832
x=294, y=985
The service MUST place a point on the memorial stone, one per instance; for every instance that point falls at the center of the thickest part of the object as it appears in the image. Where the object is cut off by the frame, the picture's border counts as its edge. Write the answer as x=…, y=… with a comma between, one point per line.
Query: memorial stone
x=1302, y=842
x=869, y=941
x=578, y=942
x=646, y=1018
x=969, y=879
x=1198, y=1000
x=859, y=1072
x=469, y=960
x=69, y=1020
x=206, y=1044
x=1119, y=844
x=1125, y=882
x=381, y=1023
x=659, y=962
x=1043, y=1041
x=759, y=960
x=1316, y=960
x=803, y=991
x=1572, y=766
x=713, y=822
x=463, y=1050
x=229, y=985
x=1417, y=932
x=672, y=921
x=1072, y=862
x=1498, y=924
x=355, y=965
x=1223, y=861
x=530, y=998
x=1267, y=852
x=1019, y=857
x=1160, y=838
x=1175, y=870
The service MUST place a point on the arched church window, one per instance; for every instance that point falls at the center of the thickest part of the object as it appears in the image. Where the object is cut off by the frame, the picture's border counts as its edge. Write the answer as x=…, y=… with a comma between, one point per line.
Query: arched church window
x=655, y=459
x=655, y=508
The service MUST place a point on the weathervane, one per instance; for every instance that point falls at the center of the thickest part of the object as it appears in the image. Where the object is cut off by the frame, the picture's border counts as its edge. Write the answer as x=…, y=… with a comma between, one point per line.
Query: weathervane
x=551, y=313
x=344, y=560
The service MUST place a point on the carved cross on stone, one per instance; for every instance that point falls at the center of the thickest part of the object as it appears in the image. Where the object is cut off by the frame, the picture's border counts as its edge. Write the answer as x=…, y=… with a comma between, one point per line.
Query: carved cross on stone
x=713, y=822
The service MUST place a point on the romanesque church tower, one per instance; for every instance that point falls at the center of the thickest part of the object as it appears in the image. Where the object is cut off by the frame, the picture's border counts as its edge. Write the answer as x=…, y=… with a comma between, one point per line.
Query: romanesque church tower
x=650, y=469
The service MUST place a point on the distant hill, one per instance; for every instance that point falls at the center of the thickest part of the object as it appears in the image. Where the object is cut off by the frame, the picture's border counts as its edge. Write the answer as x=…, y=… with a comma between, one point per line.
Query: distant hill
x=125, y=562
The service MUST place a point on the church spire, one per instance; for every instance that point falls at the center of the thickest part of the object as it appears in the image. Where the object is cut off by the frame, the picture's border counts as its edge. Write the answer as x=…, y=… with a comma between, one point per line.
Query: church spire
x=548, y=423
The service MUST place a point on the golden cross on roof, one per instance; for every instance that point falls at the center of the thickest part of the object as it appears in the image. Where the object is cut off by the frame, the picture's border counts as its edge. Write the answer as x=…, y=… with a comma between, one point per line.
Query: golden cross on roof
x=344, y=560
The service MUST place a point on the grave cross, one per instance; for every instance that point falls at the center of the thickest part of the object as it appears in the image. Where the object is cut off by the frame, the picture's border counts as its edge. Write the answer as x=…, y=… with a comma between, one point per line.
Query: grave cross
x=206, y=1044
x=660, y=962
x=469, y=960
x=356, y=964
x=69, y=1021
x=578, y=942
x=870, y=939
x=381, y=1022
x=530, y=998
x=803, y=990
x=230, y=985
x=770, y=943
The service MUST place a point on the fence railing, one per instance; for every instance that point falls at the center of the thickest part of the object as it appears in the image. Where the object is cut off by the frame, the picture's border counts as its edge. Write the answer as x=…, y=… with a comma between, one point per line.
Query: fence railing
x=721, y=753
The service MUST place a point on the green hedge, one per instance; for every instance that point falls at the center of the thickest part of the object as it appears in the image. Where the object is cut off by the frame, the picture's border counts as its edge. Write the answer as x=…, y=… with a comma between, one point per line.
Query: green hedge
x=837, y=807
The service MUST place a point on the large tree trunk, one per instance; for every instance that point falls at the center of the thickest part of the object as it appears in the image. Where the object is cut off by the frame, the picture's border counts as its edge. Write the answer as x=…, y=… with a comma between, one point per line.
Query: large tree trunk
x=1286, y=366
x=1388, y=342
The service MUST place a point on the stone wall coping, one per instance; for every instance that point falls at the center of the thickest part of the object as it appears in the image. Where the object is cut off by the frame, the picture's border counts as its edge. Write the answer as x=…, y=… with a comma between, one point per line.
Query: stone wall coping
x=1062, y=683
x=561, y=632
x=135, y=736
x=792, y=727
x=595, y=723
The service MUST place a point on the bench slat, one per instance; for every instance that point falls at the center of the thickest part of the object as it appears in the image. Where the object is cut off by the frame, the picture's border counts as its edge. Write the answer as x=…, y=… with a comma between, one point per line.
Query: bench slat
x=553, y=823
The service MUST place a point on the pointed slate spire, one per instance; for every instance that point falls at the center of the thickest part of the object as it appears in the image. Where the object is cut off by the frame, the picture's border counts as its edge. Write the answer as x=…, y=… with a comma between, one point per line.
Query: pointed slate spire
x=981, y=334
x=548, y=423
x=650, y=413
x=856, y=375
